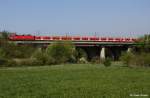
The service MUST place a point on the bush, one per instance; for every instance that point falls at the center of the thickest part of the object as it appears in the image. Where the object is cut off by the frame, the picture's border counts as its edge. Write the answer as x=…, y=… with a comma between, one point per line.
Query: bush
x=61, y=52
x=96, y=60
x=27, y=62
x=147, y=60
x=107, y=62
x=127, y=58
x=11, y=50
x=142, y=59
x=11, y=63
x=40, y=57
x=8, y=63
x=50, y=61
x=82, y=60
x=3, y=61
x=134, y=60
x=81, y=56
x=2, y=53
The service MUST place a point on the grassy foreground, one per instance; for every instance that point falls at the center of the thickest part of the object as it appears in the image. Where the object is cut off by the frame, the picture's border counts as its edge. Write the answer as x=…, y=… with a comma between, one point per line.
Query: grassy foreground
x=74, y=81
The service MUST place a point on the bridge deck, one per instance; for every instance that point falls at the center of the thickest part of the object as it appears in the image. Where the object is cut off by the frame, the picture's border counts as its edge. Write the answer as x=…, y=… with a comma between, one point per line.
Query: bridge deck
x=78, y=43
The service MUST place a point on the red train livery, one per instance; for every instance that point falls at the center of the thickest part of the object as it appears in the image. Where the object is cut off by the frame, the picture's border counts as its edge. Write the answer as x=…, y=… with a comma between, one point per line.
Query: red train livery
x=15, y=37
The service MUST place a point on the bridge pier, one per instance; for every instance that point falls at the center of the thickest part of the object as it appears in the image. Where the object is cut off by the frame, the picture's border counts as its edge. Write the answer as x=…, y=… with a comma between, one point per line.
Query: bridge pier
x=102, y=53
x=129, y=49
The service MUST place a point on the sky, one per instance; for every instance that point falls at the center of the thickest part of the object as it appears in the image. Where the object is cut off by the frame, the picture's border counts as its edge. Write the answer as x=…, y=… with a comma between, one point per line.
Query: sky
x=76, y=17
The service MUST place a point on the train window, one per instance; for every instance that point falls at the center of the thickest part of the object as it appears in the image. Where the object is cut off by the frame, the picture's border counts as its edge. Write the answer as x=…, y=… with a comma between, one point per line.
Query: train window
x=103, y=38
x=37, y=37
x=76, y=38
x=117, y=39
x=64, y=38
x=94, y=38
x=133, y=39
x=56, y=38
x=127, y=39
x=46, y=37
x=121, y=39
x=110, y=39
x=84, y=38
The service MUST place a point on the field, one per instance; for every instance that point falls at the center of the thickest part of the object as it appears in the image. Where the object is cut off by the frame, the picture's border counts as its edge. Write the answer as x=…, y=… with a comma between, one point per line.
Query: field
x=74, y=81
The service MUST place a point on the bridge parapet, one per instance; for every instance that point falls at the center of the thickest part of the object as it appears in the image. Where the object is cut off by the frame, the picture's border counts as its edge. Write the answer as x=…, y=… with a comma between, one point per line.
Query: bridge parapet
x=79, y=43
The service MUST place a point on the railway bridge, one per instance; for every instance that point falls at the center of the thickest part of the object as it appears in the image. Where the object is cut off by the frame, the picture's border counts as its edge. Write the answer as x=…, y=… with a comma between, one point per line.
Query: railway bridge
x=102, y=47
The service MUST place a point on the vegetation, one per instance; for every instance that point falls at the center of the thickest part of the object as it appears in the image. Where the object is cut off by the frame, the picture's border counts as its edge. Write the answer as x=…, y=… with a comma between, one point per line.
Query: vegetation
x=61, y=52
x=136, y=60
x=107, y=62
x=70, y=81
x=127, y=58
x=4, y=35
x=74, y=81
x=96, y=60
x=142, y=59
x=81, y=56
x=64, y=52
x=40, y=57
x=145, y=44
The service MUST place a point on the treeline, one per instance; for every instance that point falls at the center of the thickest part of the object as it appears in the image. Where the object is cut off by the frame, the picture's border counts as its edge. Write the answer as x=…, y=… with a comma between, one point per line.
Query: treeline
x=25, y=55
x=56, y=53
x=140, y=58
x=61, y=52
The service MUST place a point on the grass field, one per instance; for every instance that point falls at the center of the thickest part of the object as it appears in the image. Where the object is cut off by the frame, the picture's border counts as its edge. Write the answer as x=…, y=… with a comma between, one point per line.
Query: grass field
x=74, y=81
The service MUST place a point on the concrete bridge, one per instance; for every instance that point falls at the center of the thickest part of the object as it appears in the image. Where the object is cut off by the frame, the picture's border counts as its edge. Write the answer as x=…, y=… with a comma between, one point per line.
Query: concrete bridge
x=93, y=46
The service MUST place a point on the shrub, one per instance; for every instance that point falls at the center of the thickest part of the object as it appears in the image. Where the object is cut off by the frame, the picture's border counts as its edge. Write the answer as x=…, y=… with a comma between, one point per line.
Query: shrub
x=142, y=59
x=27, y=62
x=50, y=61
x=11, y=63
x=2, y=53
x=3, y=61
x=107, y=62
x=82, y=60
x=147, y=60
x=96, y=60
x=81, y=56
x=11, y=50
x=127, y=58
x=40, y=57
x=134, y=60
x=61, y=52
x=72, y=59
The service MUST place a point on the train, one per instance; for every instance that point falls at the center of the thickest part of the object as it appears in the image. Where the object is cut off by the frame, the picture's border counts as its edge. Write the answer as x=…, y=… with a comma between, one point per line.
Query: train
x=15, y=37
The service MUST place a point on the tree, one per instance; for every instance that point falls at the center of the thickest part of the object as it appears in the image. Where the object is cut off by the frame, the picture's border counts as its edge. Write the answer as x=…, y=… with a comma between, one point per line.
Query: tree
x=127, y=57
x=40, y=56
x=81, y=55
x=145, y=43
x=61, y=51
x=4, y=35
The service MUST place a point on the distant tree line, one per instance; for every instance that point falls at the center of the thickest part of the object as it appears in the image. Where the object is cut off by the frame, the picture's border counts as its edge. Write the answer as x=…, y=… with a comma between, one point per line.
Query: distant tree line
x=140, y=58
x=59, y=52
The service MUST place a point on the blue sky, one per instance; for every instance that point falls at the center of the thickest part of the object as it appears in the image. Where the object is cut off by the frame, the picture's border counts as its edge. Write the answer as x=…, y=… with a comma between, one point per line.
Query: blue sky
x=76, y=17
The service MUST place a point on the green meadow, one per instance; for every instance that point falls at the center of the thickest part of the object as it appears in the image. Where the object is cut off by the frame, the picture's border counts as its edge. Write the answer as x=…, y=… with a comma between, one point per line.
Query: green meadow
x=74, y=81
